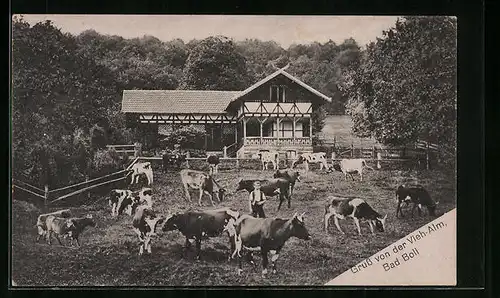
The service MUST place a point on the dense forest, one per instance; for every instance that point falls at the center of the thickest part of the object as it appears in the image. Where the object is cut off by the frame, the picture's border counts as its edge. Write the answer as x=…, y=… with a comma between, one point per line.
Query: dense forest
x=66, y=89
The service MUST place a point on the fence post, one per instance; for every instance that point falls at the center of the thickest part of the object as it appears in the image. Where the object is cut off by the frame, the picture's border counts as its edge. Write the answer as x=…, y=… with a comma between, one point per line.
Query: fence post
x=379, y=158
x=352, y=150
x=188, y=155
x=46, y=195
x=237, y=162
x=225, y=151
x=427, y=155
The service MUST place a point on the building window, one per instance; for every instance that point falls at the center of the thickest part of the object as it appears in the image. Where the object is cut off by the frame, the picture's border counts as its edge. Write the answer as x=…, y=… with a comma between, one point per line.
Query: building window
x=277, y=93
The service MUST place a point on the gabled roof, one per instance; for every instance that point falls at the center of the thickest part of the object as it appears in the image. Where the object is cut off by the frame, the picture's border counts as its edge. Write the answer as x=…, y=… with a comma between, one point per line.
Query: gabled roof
x=275, y=74
x=176, y=101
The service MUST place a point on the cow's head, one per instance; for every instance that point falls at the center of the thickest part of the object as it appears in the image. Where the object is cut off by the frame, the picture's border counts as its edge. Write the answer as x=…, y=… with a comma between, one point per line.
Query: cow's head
x=171, y=223
x=298, y=228
x=380, y=223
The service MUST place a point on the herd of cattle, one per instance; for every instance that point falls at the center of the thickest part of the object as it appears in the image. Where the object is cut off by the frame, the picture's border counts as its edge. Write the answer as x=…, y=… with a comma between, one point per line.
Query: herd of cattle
x=246, y=233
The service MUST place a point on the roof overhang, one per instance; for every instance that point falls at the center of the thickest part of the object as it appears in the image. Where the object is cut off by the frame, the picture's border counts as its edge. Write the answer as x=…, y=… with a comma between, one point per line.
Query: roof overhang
x=273, y=75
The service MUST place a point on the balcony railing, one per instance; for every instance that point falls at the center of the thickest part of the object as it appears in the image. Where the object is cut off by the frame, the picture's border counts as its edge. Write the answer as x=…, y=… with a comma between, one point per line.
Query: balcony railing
x=282, y=141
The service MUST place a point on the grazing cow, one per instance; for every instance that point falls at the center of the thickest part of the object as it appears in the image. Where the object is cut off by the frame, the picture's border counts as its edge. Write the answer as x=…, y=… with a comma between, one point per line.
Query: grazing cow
x=173, y=160
x=142, y=168
x=41, y=223
x=200, y=225
x=213, y=162
x=144, y=224
x=292, y=176
x=418, y=196
x=356, y=208
x=266, y=235
x=203, y=182
x=79, y=224
x=119, y=200
x=267, y=157
x=350, y=166
x=311, y=158
x=58, y=226
x=270, y=188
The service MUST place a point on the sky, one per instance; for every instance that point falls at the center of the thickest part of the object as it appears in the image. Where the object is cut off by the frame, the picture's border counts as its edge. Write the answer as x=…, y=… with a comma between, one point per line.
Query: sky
x=285, y=30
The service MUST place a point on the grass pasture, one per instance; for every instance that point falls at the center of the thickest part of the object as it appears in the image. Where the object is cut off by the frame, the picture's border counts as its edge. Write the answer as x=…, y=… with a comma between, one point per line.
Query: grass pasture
x=109, y=252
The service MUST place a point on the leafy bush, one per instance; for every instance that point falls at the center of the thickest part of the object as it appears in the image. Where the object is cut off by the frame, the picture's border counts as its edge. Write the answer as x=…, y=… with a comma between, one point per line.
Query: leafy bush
x=107, y=161
x=188, y=137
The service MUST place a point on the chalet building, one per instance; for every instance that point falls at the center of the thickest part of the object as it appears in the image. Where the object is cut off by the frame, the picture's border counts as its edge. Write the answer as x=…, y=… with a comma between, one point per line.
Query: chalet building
x=273, y=114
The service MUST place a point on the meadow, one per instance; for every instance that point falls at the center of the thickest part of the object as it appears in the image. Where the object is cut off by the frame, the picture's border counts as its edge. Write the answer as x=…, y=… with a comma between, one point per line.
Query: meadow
x=109, y=252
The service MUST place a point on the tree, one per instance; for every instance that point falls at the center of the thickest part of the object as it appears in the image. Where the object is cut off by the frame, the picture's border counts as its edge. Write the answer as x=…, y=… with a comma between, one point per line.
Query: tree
x=214, y=64
x=405, y=86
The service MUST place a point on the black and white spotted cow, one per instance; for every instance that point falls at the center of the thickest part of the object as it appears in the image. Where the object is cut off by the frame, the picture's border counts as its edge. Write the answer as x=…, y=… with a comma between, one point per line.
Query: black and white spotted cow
x=267, y=157
x=145, y=223
x=311, y=158
x=356, y=208
x=143, y=168
x=416, y=195
x=121, y=200
x=144, y=197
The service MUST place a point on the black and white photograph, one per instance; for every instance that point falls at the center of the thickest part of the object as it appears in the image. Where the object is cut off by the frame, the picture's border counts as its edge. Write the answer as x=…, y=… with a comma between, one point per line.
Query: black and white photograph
x=233, y=150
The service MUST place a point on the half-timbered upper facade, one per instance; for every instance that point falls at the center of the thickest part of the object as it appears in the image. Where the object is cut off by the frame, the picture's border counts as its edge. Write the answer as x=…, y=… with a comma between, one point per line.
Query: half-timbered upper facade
x=273, y=114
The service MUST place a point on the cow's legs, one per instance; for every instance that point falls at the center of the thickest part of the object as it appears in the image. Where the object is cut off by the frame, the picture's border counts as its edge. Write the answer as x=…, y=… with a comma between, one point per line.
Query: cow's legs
x=371, y=226
x=361, y=175
x=419, y=209
x=132, y=179
x=356, y=221
x=336, y=219
x=148, y=244
x=186, y=190
x=289, y=201
x=281, y=200
x=327, y=219
x=58, y=240
x=274, y=258
x=413, y=209
x=198, y=247
x=345, y=176
x=265, y=261
x=77, y=238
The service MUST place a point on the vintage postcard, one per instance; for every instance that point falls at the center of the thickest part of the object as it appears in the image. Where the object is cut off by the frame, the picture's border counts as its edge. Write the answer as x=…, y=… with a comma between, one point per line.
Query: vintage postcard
x=221, y=150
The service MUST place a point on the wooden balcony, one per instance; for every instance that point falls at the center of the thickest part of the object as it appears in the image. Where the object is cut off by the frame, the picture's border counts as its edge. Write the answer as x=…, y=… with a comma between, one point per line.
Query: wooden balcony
x=275, y=142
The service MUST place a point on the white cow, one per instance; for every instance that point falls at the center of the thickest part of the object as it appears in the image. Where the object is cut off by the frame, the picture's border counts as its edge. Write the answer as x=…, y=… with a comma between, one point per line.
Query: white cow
x=350, y=166
x=142, y=168
x=267, y=157
x=307, y=158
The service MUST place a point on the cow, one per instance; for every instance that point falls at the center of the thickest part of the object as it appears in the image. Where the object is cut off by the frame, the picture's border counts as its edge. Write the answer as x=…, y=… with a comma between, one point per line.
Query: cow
x=203, y=182
x=142, y=168
x=311, y=158
x=199, y=225
x=144, y=196
x=41, y=223
x=357, y=208
x=266, y=235
x=58, y=226
x=292, y=176
x=267, y=157
x=270, y=188
x=120, y=200
x=416, y=195
x=145, y=223
x=350, y=166
x=78, y=225
x=172, y=159
x=213, y=163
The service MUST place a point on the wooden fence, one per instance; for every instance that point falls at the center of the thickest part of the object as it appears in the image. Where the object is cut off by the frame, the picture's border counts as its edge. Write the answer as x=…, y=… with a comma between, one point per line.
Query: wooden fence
x=74, y=189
